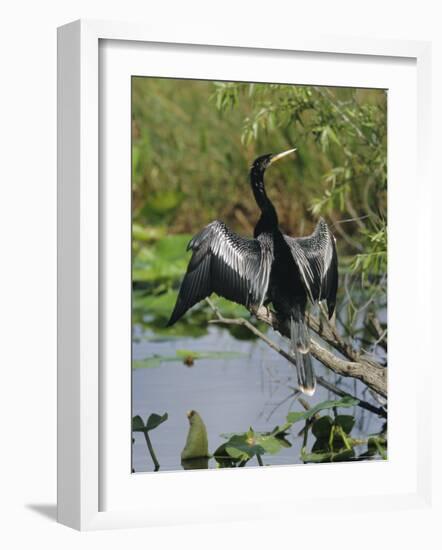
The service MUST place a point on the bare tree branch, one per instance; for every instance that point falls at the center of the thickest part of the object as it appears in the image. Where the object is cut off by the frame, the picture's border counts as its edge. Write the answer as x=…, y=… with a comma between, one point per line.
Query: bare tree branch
x=327, y=331
x=369, y=372
x=373, y=375
x=379, y=332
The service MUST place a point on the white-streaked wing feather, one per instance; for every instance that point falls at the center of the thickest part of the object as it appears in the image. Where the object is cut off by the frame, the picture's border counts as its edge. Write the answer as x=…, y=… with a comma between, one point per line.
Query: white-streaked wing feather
x=317, y=261
x=223, y=262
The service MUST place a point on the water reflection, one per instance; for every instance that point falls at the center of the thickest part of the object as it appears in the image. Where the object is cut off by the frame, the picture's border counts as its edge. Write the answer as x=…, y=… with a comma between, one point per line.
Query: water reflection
x=201, y=463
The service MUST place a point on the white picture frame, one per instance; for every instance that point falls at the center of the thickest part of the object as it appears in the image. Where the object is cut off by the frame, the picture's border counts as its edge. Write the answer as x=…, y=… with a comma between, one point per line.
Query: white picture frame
x=84, y=449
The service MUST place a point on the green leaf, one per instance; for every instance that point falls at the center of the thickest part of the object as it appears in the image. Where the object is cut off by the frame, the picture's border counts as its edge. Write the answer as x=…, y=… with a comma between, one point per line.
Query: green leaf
x=164, y=260
x=346, y=422
x=159, y=305
x=269, y=443
x=138, y=424
x=244, y=446
x=239, y=452
x=377, y=445
x=322, y=427
x=155, y=420
x=230, y=309
x=223, y=458
x=281, y=430
x=146, y=234
x=293, y=417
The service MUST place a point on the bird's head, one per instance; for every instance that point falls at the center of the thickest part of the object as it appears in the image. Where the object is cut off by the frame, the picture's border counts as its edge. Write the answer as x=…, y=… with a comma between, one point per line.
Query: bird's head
x=261, y=163
x=269, y=217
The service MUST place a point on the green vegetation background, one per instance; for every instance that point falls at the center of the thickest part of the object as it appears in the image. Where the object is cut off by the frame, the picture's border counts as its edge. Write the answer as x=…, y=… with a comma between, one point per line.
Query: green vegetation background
x=193, y=143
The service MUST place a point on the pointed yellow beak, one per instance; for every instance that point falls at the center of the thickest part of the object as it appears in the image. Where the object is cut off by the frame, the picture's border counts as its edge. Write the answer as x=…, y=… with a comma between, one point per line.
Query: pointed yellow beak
x=281, y=155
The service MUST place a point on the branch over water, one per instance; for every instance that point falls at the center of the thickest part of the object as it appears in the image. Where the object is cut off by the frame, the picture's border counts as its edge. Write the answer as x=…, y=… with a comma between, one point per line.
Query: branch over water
x=352, y=365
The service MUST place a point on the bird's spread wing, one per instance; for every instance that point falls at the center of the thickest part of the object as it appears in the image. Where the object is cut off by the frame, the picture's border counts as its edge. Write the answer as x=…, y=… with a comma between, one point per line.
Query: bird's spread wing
x=317, y=262
x=225, y=263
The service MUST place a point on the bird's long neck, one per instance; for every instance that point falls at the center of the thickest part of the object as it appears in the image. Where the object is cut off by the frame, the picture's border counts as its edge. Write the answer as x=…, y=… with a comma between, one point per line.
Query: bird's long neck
x=268, y=221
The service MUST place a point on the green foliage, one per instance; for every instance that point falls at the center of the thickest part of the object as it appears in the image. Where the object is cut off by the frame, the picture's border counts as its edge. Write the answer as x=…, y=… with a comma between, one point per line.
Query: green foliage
x=162, y=262
x=192, y=145
x=376, y=445
x=185, y=156
x=293, y=417
x=373, y=262
x=194, y=140
x=333, y=441
x=242, y=447
x=159, y=263
x=152, y=422
x=341, y=137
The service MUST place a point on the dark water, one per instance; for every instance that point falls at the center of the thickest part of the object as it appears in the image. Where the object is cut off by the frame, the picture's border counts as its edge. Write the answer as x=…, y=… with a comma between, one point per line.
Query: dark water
x=230, y=394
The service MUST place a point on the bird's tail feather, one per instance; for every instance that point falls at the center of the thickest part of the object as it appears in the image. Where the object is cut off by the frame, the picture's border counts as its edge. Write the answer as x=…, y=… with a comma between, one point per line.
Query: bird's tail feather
x=300, y=349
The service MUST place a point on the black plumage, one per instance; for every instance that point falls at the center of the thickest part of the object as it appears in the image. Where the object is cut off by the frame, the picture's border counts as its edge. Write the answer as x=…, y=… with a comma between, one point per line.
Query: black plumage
x=270, y=268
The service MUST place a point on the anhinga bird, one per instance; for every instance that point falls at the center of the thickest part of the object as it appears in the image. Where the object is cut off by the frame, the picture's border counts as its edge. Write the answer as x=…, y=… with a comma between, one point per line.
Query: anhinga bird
x=270, y=268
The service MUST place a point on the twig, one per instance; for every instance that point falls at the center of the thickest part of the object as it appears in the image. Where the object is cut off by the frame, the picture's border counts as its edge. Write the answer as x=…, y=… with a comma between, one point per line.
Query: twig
x=243, y=322
x=348, y=220
x=363, y=404
x=349, y=240
x=380, y=333
x=304, y=404
x=371, y=374
x=352, y=211
x=328, y=333
x=293, y=395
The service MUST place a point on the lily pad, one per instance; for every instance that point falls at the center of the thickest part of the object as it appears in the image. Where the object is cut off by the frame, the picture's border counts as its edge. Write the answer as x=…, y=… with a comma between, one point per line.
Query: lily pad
x=165, y=260
x=187, y=357
x=244, y=446
x=161, y=304
x=305, y=415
